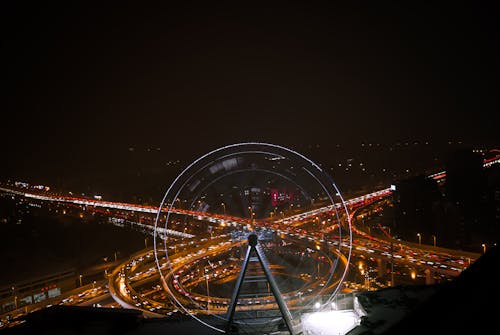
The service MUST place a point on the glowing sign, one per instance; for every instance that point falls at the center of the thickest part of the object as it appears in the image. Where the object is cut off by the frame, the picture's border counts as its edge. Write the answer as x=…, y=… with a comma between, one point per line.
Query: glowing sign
x=278, y=198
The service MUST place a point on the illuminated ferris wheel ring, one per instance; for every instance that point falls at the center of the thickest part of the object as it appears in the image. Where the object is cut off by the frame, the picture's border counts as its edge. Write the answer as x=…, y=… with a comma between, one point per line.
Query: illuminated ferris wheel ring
x=279, y=165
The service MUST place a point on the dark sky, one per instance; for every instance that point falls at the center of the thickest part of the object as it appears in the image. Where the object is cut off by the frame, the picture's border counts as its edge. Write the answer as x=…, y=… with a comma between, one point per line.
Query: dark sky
x=83, y=82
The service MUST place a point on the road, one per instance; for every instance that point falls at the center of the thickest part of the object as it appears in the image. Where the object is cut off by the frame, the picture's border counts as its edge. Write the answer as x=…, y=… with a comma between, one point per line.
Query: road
x=309, y=230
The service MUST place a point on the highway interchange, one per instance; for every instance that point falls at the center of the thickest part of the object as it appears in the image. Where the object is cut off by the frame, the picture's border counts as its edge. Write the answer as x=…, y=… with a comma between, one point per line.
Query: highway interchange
x=196, y=264
x=198, y=271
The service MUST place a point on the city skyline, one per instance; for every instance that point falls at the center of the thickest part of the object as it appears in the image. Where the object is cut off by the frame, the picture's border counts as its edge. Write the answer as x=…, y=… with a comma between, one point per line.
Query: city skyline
x=386, y=249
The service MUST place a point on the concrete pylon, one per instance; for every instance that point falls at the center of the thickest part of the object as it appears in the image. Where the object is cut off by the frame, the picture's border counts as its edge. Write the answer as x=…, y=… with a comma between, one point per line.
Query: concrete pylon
x=429, y=277
x=381, y=267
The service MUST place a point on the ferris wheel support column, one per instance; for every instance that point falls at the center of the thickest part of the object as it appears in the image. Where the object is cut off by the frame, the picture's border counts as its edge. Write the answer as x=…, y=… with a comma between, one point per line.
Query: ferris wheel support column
x=253, y=247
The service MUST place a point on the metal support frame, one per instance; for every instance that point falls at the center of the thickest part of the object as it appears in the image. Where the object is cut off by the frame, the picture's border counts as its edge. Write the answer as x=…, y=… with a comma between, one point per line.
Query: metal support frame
x=254, y=248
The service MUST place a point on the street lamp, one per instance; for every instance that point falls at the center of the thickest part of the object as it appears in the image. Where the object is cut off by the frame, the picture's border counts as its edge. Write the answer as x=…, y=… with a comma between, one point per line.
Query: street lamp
x=224, y=206
x=484, y=248
x=80, y=276
x=434, y=238
x=419, y=238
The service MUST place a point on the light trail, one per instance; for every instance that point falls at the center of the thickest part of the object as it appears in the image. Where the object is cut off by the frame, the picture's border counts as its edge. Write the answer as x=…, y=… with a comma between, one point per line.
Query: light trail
x=352, y=203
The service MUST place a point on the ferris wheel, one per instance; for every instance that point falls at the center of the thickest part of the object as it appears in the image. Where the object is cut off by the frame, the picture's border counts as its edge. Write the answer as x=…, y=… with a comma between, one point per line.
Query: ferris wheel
x=252, y=236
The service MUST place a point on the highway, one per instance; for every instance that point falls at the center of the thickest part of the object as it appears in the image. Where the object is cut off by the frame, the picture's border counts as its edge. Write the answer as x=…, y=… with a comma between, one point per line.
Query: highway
x=186, y=274
x=136, y=283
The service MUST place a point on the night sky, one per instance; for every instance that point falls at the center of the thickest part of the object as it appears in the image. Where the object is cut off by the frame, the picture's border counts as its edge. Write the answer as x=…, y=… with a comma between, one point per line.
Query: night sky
x=83, y=83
